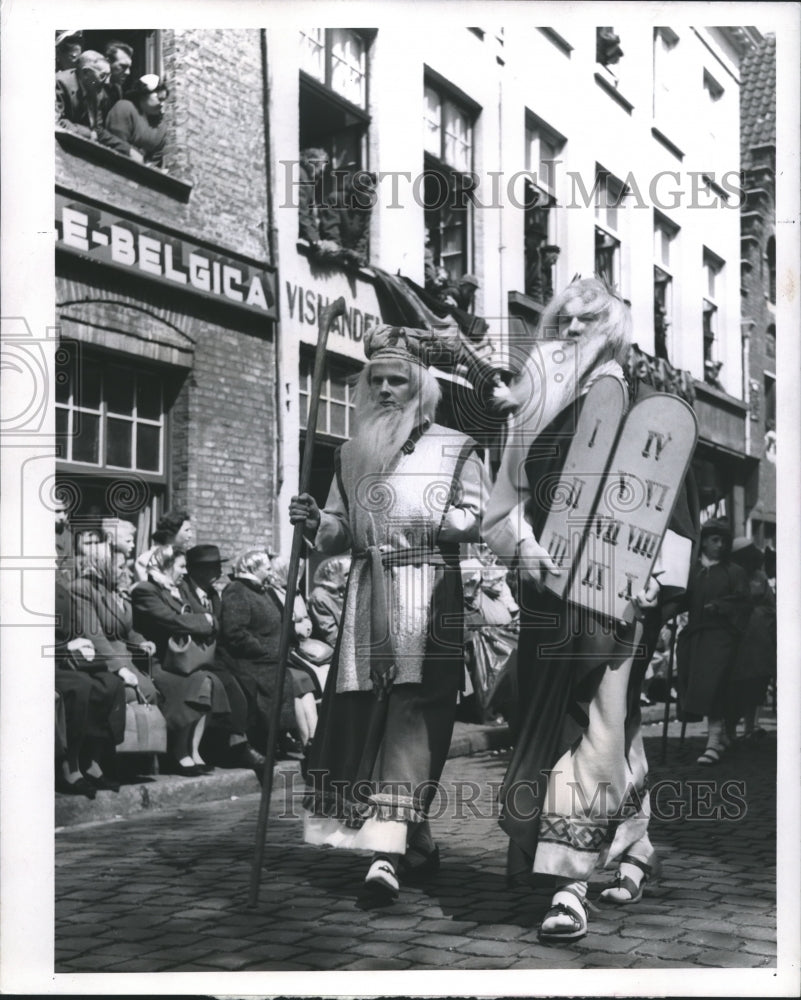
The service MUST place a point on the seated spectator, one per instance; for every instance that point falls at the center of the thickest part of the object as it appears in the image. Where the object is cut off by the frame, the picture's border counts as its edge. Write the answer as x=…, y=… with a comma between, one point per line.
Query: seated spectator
x=138, y=122
x=173, y=528
x=160, y=613
x=104, y=616
x=93, y=698
x=82, y=102
x=328, y=597
x=68, y=48
x=119, y=56
x=120, y=535
x=203, y=570
x=303, y=687
x=65, y=543
x=250, y=635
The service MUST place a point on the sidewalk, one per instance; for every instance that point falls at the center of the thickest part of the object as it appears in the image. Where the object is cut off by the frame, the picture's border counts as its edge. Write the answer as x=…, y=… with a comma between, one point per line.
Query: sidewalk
x=167, y=890
x=167, y=791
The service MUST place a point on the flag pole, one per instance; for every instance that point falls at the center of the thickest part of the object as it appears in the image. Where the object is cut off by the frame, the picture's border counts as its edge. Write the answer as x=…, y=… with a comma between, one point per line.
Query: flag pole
x=326, y=320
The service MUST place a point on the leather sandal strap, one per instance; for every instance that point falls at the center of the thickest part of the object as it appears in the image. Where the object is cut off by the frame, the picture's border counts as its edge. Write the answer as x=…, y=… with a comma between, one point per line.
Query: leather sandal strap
x=642, y=865
x=624, y=882
x=581, y=899
x=560, y=910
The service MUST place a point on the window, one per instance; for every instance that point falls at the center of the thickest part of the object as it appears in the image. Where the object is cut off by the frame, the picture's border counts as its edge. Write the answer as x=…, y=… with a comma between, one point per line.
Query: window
x=334, y=94
x=336, y=204
x=543, y=146
x=769, y=393
x=667, y=97
x=108, y=415
x=710, y=114
x=337, y=57
x=447, y=181
x=607, y=46
x=609, y=195
x=664, y=235
x=146, y=45
x=713, y=287
x=770, y=254
x=335, y=415
x=770, y=341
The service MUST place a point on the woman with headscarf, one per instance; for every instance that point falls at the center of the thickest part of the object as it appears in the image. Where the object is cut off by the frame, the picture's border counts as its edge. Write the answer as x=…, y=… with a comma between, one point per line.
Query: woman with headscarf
x=250, y=631
x=138, y=120
x=717, y=604
x=161, y=614
x=105, y=617
x=303, y=687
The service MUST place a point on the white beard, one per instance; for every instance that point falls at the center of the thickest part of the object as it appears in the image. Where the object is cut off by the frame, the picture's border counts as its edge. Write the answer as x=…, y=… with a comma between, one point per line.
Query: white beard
x=380, y=434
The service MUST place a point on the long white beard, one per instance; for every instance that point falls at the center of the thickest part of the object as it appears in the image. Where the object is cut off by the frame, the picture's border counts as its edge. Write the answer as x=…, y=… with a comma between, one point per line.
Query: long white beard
x=556, y=373
x=380, y=434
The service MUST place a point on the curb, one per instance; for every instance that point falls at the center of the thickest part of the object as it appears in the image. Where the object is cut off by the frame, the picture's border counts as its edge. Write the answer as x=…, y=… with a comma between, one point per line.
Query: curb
x=169, y=791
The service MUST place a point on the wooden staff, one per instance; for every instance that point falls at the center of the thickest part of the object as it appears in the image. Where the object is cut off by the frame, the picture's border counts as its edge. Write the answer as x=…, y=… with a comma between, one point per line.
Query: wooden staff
x=666, y=719
x=326, y=320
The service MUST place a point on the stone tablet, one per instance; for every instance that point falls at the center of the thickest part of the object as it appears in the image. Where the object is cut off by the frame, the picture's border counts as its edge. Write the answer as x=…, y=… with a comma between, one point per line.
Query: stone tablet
x=634, y=506
x=570, y=495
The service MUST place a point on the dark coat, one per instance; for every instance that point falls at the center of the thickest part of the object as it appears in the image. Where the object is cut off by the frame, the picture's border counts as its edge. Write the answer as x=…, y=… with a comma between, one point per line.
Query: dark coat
x=250, y=635
x=105, y=618
x=717, y=606
x=131, y=128
x=75, y=114
x=93, y=698
x=159, y=616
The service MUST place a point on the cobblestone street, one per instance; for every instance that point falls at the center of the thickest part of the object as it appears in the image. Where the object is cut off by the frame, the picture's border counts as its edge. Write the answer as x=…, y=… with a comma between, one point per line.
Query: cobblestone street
x=168, y=891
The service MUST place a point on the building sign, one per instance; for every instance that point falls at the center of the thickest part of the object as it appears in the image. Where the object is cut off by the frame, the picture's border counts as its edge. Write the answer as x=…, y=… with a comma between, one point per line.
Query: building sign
x=135, y=247
x=307, y=294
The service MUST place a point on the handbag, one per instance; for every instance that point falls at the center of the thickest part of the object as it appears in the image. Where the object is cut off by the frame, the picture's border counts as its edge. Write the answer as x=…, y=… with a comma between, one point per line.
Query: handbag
x=145, y=728
x=185, y=656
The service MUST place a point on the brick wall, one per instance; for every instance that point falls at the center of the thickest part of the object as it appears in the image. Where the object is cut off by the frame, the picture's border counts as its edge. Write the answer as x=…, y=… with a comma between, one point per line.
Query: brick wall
x=223, y=439
x=222, y=433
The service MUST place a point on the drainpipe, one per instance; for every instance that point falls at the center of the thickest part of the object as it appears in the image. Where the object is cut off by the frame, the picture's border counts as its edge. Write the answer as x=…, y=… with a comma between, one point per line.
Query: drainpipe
x=746, y=326
x=272, y=245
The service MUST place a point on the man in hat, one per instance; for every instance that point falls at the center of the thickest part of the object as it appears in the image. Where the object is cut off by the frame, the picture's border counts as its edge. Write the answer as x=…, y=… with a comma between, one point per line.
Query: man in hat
x=575, y=794
x=203, y=570
x=407, y=492
x=82, y=101
x=718, y=606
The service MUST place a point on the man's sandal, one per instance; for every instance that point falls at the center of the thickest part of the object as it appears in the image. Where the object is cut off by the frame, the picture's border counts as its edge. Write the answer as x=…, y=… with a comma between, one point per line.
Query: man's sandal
x=382, y=880
x=624, y=890
x=563, y=922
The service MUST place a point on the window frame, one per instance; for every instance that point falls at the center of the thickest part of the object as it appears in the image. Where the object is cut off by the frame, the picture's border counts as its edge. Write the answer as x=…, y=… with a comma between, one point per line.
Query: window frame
x=713, y=266
x=459, y=181
x=64, y=441
x=603, y=228
x=333, y=365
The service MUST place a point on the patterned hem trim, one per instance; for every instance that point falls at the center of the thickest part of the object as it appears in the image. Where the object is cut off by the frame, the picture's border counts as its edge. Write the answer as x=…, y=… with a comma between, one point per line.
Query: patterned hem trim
x=355, y=814
x=577, y=835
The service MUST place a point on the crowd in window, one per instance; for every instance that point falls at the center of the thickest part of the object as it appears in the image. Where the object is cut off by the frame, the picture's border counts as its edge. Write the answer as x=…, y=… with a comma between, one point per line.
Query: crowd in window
x=99, y=99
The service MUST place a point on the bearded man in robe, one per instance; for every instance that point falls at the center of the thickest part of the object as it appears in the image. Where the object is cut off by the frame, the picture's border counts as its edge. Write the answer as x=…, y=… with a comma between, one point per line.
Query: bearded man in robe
x=406, y=494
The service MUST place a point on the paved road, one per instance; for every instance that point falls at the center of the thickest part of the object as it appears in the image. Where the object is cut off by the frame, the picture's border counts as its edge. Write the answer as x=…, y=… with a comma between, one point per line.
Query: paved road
x=168, y=891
